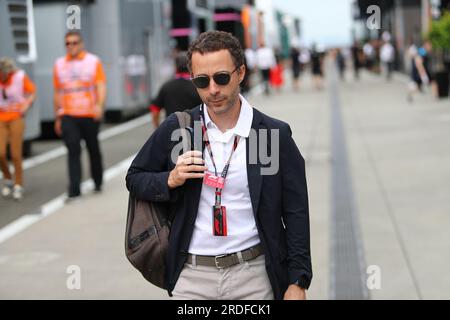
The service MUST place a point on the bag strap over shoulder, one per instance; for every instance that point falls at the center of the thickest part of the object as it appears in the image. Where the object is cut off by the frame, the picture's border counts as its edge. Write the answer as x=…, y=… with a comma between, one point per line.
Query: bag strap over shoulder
x=184, y=120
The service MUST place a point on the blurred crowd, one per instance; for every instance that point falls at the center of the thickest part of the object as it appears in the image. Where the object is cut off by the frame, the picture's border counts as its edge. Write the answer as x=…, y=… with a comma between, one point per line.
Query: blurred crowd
x=377, y=56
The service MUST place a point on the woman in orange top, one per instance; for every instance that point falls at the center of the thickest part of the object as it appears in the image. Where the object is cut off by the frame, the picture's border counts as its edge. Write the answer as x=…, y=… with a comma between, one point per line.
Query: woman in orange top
x=17, y=93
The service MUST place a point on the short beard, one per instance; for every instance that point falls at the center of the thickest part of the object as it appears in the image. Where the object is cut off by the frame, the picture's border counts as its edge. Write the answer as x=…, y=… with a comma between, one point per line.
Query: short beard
x=234, y=97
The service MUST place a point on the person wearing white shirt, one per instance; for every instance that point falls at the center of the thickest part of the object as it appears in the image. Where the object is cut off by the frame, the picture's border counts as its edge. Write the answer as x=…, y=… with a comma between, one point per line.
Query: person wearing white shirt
x=238, y=231
x=387, y=56
x=370, y=55
x=265, y=60
x=241, y=223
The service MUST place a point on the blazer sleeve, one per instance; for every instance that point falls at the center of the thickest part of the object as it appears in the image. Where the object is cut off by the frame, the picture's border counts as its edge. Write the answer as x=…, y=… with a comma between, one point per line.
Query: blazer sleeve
x=295, y=210
x=147, y=176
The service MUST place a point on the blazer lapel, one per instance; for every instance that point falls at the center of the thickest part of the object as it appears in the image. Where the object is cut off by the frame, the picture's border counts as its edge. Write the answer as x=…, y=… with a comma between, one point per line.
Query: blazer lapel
x=254, y=169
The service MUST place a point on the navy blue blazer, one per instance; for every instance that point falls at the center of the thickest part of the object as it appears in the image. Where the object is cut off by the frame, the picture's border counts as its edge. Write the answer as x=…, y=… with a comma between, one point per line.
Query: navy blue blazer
x=279, y=201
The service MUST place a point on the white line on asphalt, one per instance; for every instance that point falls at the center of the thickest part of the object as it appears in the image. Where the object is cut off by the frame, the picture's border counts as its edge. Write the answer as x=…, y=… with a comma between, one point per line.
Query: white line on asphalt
x=124, y=127
x=103, y=135
x=54, y=205
x=42, y=158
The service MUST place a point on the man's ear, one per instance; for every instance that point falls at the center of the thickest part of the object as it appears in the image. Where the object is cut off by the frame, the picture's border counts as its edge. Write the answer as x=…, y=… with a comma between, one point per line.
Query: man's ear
x=242, y=72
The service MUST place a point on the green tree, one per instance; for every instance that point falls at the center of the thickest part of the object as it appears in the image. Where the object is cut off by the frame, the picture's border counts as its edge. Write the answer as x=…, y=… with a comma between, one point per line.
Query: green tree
x=439, y=34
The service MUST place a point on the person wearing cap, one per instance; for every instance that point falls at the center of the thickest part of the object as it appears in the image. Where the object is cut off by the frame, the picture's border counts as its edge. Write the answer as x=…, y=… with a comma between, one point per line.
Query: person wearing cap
x=79, y=97
x=16, y=97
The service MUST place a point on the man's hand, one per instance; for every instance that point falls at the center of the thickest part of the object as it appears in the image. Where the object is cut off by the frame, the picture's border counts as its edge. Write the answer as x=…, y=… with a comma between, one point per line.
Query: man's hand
x=58, y=130
x=294, y=292
x=98, y=112
x=190, y=165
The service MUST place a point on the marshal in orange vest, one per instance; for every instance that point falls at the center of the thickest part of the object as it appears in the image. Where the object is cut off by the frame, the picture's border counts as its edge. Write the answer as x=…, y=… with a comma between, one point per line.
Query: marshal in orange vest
x=12, y=95
x=75, y=80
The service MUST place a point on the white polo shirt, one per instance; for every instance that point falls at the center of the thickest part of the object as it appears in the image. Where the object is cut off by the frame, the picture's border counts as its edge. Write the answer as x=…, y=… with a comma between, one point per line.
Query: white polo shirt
x=241, y=225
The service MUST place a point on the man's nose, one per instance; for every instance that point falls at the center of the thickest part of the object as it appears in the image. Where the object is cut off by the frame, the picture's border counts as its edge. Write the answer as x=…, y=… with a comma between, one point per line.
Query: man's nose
x=213, y=87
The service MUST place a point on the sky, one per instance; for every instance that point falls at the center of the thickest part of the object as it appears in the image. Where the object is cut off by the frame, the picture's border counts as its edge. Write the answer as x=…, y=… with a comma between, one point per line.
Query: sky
x=327, y=22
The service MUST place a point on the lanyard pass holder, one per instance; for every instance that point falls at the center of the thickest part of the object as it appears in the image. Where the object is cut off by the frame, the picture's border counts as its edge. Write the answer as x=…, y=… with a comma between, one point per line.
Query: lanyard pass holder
x=220, y=221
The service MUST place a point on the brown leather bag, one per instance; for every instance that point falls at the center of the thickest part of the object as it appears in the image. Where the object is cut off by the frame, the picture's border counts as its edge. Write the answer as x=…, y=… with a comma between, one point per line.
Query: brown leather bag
x=148, y=228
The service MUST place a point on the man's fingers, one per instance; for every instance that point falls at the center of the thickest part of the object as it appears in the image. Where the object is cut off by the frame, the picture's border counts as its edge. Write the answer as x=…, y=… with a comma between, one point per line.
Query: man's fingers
x=189, y=175
x=193, y=160
x=192, y=153
x=193, y=168
x=189, y=161
x=190, y=157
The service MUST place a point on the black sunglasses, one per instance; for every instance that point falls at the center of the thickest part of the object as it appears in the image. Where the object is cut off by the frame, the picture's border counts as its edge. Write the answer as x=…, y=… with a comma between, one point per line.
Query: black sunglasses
x=73, y=43
x=221, y=78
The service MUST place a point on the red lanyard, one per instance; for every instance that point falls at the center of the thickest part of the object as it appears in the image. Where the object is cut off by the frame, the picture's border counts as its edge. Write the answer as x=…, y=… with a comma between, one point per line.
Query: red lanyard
x=208, y=147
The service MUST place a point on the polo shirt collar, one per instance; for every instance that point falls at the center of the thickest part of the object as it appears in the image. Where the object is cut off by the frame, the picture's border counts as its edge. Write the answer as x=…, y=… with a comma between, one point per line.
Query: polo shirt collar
x=244, y=123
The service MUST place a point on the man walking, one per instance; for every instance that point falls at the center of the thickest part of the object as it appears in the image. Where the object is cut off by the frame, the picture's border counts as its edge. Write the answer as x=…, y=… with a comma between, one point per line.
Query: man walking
x=79, y=96
x=236, y=233
x=265, y=60
x=387, y=57
x=177, y=94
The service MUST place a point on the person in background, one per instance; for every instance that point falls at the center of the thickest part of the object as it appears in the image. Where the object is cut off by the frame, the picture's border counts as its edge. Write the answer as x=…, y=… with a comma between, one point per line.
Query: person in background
x=177, y=94
x=265, y=60
x=420, y=71
x=249, y=62
x=295, y=65
x=369, y=55
x=357, y=59
x=79, y=97
x=16, y=97
x=305, y=58
x=276, y=73
x=340, y=61
x=425, y=53
x=317, y=67
x=387, y=56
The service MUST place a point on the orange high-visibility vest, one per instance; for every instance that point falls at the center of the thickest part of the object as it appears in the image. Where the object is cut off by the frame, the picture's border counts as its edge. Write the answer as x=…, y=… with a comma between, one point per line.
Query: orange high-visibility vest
x=12, y=96
x=75, y=81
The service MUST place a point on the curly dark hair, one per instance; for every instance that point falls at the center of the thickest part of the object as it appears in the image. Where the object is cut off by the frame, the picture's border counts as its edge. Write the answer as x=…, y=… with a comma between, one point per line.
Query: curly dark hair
x=212, y=41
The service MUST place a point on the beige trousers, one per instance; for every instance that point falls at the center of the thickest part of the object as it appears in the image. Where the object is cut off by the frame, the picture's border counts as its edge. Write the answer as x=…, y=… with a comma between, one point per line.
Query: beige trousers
x=12, y=132
x=245, y=281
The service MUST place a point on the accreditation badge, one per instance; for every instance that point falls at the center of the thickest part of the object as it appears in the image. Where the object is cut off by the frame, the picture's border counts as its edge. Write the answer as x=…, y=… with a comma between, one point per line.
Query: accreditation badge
x=220, y=221
x=214, y=181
